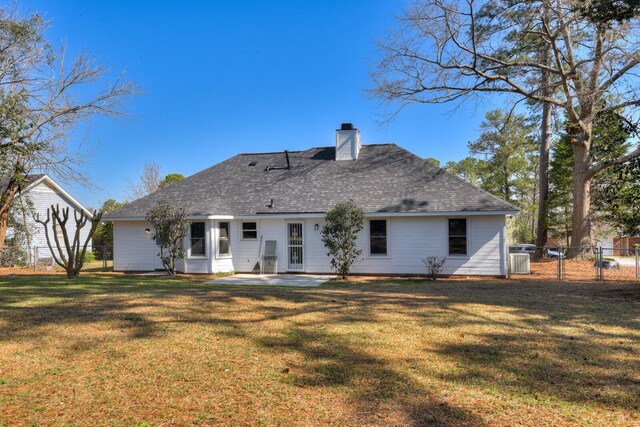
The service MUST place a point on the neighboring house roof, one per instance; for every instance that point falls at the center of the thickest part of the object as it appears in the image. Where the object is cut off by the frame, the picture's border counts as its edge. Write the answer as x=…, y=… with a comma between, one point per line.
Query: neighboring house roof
x=385, y=179
x=33, y=180
x=29, y=179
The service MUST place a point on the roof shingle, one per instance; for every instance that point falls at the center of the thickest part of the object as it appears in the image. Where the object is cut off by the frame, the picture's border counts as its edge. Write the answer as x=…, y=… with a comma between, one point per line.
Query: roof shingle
x=385, y=178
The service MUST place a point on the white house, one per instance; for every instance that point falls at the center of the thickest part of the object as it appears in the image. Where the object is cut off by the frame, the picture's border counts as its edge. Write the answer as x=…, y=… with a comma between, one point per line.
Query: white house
x=38, y=194
x=413, y=210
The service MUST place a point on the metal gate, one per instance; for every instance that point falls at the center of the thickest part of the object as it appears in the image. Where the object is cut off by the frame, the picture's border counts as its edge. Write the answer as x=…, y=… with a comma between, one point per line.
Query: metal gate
x=295, y=246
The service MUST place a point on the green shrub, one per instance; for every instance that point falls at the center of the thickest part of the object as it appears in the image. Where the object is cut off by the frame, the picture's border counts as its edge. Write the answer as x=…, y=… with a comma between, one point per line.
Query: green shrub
x=344, y=221
x=13, y=256
x=89, y=256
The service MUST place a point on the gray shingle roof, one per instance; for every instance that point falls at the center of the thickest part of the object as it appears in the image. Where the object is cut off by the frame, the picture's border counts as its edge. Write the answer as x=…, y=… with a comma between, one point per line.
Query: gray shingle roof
x=29, y=179
x=385, y=178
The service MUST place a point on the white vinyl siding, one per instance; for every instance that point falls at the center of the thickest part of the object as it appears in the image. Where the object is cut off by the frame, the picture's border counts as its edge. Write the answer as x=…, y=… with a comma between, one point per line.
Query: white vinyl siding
x=134, y=250
x=42, y=197
x=409, y=240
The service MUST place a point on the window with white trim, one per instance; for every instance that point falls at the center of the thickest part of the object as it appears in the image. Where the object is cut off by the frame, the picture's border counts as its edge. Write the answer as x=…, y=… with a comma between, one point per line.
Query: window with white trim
x=249, y=230
x=197, y=239
x=378, y=237
x=224, y=246
x=457, y=236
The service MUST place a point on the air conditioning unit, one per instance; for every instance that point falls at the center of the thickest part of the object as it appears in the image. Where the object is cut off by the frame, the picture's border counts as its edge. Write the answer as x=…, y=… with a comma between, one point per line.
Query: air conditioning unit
x=520, y=264
x=270, y=265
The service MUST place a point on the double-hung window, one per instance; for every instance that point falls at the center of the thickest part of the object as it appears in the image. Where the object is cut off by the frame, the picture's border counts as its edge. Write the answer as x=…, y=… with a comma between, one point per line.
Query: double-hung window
x=224, y=247
x=378, y=244
x=457, y=236
x=197, y=237
x=249, y=230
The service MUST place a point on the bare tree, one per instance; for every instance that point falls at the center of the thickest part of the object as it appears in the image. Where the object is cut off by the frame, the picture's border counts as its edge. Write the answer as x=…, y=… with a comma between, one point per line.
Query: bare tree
x=68, y=254
x=148, y=182
x=43, y=98
x=451, y=50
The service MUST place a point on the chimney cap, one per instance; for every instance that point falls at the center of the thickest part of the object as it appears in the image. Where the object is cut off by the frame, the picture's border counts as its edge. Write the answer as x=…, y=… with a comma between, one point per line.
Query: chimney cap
x=346, y=126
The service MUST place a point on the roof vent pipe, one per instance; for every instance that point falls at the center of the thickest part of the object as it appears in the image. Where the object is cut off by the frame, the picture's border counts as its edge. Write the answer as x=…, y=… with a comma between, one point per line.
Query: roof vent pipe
x=273, y=168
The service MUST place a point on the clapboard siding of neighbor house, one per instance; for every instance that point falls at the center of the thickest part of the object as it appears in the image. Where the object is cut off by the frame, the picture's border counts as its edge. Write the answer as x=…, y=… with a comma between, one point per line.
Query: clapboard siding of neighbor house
x=39, y=194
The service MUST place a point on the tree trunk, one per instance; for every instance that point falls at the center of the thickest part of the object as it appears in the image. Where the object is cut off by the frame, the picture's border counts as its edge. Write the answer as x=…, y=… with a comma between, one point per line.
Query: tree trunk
x=72, y=273
x=545, y=145
x=27, y=232
x=543, y=175
x=534, y=197
x=5, y=205
x=505, y=177
x=581, y=221
x=3, y=229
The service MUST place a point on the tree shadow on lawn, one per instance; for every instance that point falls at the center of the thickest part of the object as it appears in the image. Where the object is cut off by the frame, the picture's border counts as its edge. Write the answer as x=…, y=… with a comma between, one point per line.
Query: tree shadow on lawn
x=553, y=366
x=376, y=389
x=519, y=354
x=552, y=343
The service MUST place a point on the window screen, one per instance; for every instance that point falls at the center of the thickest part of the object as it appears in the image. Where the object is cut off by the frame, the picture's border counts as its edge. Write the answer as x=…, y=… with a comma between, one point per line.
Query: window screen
x=249, y=230
x=378, y=236
x=197, y=239
x=457, y=236
x=224, y=248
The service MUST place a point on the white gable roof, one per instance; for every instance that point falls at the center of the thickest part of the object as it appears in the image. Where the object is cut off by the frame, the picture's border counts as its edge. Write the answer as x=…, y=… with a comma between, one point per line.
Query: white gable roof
x=47, y=180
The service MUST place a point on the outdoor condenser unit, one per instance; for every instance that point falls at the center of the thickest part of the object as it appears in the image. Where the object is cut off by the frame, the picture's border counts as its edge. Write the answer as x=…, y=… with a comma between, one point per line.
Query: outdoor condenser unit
x=270, y=266
x=520, y=264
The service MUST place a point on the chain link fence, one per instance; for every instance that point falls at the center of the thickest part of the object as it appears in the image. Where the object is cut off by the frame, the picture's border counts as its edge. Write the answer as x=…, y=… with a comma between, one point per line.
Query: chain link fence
x=542, y=263
x=39, y=258
x=573, y=263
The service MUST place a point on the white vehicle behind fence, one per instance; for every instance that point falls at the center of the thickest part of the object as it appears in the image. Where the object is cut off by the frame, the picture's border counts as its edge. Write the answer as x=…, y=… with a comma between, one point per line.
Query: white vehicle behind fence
x=528, y=248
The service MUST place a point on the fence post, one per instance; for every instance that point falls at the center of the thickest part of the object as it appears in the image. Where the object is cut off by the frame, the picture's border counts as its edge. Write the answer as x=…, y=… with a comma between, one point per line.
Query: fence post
x=599, y=260
x=637, y=265
x=560, y=256
x=104, y=257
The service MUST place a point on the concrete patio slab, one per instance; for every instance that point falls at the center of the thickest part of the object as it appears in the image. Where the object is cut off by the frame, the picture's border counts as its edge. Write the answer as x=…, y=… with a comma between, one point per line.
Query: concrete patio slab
x=293, y=280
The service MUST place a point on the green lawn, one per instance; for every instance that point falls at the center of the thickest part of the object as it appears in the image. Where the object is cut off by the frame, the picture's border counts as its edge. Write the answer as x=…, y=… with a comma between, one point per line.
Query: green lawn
x=122, y=350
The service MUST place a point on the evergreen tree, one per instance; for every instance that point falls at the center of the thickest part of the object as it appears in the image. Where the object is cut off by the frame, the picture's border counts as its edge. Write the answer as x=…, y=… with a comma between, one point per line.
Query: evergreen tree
x=612, y=189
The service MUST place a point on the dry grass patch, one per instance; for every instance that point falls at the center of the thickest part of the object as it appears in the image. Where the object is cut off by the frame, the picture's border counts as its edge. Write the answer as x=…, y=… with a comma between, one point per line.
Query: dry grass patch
x=119, y=350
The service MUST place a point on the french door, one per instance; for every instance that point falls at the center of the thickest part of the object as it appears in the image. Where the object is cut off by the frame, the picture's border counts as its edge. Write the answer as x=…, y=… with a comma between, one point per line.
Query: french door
x=295, y=246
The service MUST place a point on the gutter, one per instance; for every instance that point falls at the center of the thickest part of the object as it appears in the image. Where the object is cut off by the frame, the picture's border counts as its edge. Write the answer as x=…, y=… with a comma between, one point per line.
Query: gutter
x=277, y=215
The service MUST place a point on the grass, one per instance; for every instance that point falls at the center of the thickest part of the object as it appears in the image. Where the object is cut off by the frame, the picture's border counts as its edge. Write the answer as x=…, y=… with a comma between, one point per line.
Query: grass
x=124, y=350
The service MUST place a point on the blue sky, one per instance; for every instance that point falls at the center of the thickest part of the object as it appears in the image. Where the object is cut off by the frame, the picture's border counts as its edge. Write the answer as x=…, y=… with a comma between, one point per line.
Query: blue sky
x=221, y=78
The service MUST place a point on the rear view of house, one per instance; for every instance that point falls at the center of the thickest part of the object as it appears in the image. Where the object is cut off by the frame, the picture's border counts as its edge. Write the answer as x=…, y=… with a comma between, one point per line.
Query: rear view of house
x=413, y=210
